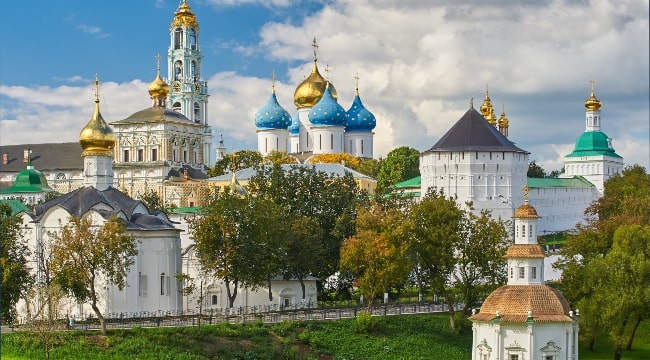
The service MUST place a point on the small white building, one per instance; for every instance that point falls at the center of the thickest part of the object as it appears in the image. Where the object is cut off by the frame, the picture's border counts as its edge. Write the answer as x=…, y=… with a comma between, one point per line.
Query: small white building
x=525, y=319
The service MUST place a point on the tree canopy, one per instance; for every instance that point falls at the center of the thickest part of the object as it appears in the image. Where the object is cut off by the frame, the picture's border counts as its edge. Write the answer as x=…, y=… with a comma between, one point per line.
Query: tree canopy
x=85, y=255
x=16, y=278
x=239, y=160
x=400, y=164
x=610, y=249
x=535, y=170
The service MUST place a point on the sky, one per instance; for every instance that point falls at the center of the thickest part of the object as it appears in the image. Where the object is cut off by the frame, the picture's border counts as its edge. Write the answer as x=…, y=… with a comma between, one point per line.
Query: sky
x=419, y=63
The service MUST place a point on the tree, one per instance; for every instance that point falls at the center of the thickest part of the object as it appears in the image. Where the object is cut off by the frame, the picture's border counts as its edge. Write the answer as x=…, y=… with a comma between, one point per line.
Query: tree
x=481, y=267
x=436, y=231
x=593, y=246
x=16, y=278
x=85, y=256
x=377, y=254
x=239, y=239
x=368, y=166
x=401, y=164
x=304, y=249
x=154, y=202
x=339, y=158
x=279, y=157
x=239, y=160
x=535, y=171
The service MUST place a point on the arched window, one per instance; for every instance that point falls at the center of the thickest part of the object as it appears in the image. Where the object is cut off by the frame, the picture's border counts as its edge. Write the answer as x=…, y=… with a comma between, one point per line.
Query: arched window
x=178, y=70
x=177, y=107
x=178, y=38
x=197, y=112
x=214, y=300
x=193, y=70
x=192, y=35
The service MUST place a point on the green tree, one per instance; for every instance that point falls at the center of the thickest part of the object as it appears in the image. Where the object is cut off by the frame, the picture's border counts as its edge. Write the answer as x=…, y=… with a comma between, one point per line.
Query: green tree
x=625, y=202
x=480, y=264
x=239, y=239
x=304, y=249
x=83, y=255
x=16, y=279
x=154, y=202
x=239, y=160
x=329, y=200
x=535, y=171
x=279, y=157
x=437, y=230
x=368, y=167
x=377, y=254
x=401, y=164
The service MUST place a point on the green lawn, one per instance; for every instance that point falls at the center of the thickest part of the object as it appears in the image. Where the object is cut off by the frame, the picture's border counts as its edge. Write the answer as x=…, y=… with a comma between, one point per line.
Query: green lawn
x=395, y=337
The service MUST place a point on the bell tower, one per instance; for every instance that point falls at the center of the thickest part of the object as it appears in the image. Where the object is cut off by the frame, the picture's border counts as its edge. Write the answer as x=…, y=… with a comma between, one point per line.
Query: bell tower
x=188, y=93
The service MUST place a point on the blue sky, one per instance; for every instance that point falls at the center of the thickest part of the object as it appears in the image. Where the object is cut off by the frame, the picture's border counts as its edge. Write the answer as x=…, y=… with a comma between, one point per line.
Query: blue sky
x=419, y=63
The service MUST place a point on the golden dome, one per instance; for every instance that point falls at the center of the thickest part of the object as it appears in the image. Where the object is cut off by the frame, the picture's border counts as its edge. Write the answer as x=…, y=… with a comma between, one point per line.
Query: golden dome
x=184, y=16
x=526, y=211
x=525, y=251
x=487, y=110
x=513, y=302
x=310, y=90
x=592, y=103
x=97, y=138
x=503, y=120
x=158, y=89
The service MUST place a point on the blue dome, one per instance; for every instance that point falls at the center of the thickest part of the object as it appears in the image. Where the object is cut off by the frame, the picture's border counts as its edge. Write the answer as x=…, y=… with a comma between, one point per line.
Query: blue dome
x=359, y=118
x=272, y=115
x=294, y=129
x=327, y=112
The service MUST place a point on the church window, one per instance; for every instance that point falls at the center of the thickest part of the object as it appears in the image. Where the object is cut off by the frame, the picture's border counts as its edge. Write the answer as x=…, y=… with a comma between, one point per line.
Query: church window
x=164, y=284
x=490, y=155
x=523, y=230
x=125, y=155
x=514, y=357
x=277, y=144
x=522, y=272
x=192, y=34
x=175, y=155
x=140, y=154
x=332, y=141
x=530, y=230
x=177, y=107
x=178, y=70
x=320, y=142
x=361, y=147
x=512, y=273
x=350, y=148
x=185, y=156
x=178, y=38
x=476, y=154
x=533, y=272
x=197, y=112
x=196, y=157
x=154, y=154
x=266, y=145
x=214, y=300
x=193, y=71
x=142, y=284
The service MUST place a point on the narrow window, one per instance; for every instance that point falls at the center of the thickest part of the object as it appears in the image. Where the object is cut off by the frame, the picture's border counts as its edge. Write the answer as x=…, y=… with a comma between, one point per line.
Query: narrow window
x=332, y=141
x=320, y=142
x=215, y=299
x=523, y=230
x=164, y=284
x=192, y=34
x=530, y=230
x=533, y=272
x=197, y=112
x=142, y=284
x=185, y=156
x=361, y=147
x=266, y=145
x=522, y=272
x=140, y=154
x=512, y=273
x=154, y=154
x=178, y=38
x=126, y=156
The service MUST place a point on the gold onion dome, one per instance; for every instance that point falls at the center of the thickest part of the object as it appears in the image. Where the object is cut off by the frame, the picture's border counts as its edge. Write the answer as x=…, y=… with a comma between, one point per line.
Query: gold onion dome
x=311, y=90
x=592, y=103
x=158, y=89
x=526, y=211
x=503, y=120
x=97, y=138
x=184, y=16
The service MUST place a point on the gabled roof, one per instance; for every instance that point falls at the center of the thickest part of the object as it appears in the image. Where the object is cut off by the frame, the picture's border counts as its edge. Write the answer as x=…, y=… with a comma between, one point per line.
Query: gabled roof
x=80, y=201
x=15, y=205
x=45, y=157
x=473, y=133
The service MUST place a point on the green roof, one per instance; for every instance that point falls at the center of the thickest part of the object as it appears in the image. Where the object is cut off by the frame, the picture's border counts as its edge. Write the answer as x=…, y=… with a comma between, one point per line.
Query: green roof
x=16, y=206
x=29, y=180
x=551, y=182
x=593, y=143
x=186, y=210
x=415, y=182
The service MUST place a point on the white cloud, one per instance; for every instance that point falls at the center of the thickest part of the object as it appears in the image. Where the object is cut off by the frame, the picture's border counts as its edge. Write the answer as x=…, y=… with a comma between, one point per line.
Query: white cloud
x=419, y=65
x=94, y=30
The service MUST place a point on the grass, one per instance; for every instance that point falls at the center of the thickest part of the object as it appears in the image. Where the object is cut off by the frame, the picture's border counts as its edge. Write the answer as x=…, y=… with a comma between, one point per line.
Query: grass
x=394, y=337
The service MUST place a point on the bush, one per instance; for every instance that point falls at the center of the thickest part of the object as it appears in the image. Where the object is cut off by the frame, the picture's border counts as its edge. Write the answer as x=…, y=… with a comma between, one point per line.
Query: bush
x=365, y=322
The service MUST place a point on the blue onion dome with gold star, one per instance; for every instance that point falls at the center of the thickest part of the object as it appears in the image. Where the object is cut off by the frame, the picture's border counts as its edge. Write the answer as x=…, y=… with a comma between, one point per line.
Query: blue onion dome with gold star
x=328, y=112
x=97, y=138
x=294, y=129
x=359, y=118
x=272, y=115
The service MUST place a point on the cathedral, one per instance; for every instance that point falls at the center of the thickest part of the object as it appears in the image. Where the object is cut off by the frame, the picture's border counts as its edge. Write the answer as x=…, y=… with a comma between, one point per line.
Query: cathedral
x=320, y=125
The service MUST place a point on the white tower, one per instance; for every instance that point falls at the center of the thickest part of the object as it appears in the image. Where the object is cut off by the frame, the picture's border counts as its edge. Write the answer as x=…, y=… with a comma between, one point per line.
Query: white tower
x=97, y=140
x=189, y=92
x=593, y=156
x=525, y=319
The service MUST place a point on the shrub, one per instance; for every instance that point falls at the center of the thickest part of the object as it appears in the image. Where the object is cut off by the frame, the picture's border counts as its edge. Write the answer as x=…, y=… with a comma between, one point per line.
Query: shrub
x=365, y=322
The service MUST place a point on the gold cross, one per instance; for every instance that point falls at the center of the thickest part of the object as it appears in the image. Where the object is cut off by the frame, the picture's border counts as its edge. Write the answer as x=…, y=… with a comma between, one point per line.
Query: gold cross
x=96, y=87
x=314, y=44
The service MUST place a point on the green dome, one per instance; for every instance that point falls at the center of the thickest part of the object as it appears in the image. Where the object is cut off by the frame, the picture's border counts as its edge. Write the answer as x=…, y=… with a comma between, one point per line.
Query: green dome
x=593, y=143
x=29, y=180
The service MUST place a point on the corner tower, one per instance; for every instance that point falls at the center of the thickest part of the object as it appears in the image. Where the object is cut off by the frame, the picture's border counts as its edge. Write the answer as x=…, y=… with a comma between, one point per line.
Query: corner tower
x=188, y=91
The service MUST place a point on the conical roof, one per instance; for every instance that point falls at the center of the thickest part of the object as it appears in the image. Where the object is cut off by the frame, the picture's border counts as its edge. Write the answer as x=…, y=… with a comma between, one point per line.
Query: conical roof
x=473, y=133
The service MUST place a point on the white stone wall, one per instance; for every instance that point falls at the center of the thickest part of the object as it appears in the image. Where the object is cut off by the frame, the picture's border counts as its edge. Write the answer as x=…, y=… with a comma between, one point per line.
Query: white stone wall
x=359, y=144
x=272, y=140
